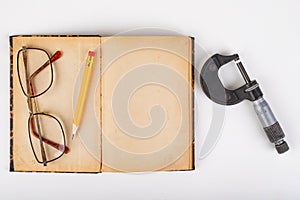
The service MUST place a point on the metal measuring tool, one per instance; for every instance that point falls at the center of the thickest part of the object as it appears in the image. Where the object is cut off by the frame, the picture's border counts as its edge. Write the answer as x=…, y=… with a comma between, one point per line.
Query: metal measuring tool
x=214, y=89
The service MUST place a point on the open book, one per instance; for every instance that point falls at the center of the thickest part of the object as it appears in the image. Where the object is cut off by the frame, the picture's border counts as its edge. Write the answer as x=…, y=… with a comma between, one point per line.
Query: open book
x=138, y=114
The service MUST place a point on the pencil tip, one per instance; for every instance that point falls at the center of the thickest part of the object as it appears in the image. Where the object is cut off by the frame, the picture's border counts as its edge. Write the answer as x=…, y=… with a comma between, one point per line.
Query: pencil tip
x=74, y=131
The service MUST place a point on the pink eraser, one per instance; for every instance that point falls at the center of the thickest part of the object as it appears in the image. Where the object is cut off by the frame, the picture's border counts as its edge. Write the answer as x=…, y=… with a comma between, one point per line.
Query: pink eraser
x=91, y=53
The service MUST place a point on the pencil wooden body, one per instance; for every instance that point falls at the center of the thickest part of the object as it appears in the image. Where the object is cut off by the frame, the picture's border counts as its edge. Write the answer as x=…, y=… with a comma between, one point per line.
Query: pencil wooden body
x=83, y=89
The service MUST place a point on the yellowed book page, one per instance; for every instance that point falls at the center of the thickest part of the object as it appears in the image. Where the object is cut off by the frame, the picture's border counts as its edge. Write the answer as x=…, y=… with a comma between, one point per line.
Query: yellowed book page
x=147, y=103
x=57, y=101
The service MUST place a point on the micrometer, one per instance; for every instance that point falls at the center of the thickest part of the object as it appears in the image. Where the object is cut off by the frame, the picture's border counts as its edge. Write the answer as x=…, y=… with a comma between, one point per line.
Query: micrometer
x=215, y=90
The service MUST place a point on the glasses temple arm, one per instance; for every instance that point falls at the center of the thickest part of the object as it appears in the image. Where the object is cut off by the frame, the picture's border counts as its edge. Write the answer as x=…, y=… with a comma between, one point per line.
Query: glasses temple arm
x=55, y=145
x=53, y=58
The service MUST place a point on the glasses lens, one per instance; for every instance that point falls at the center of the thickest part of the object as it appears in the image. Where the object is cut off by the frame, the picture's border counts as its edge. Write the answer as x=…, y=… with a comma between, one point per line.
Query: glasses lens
x=46, y=128
x=35, y=71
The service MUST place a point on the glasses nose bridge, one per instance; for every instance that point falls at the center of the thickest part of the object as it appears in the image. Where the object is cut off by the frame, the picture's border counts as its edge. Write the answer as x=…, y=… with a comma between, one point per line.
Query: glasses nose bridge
x=29, y=105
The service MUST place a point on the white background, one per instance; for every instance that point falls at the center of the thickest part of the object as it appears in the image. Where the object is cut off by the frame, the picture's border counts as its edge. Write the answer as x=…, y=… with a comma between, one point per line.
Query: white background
x=243, y=165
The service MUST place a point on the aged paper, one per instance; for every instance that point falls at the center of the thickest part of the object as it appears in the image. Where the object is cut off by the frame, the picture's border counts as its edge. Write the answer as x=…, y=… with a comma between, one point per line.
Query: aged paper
x=57, y=101
x=147, y=118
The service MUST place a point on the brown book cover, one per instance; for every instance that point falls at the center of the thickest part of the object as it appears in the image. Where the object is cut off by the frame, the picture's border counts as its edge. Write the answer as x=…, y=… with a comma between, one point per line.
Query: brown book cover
x=138, y=113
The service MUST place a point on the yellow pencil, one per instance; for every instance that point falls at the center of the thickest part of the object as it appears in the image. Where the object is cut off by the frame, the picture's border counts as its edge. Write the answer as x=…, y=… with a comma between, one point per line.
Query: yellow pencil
x=83, y=92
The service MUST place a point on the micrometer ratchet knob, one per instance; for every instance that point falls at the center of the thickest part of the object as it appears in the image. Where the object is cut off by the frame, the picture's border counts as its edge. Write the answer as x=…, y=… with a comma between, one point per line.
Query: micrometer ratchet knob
x=270, y=125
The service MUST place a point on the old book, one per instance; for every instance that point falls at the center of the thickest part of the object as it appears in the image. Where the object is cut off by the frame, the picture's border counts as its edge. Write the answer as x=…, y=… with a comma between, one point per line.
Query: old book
x=138, y=114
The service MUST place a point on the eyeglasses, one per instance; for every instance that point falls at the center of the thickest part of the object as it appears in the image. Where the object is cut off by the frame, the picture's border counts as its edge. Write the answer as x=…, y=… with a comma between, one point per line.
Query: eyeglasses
x=35, y=74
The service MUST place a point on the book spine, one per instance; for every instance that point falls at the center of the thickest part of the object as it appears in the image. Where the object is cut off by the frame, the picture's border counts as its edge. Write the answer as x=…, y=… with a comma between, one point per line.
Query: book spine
x=11, y=167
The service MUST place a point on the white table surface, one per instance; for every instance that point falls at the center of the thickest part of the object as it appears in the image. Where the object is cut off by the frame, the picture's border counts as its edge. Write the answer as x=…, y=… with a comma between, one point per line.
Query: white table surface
x=243, y=165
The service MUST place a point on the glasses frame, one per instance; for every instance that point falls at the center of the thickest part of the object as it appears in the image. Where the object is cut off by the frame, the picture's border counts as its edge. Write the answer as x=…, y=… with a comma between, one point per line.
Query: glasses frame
x=31, y=101
x=47, y=63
